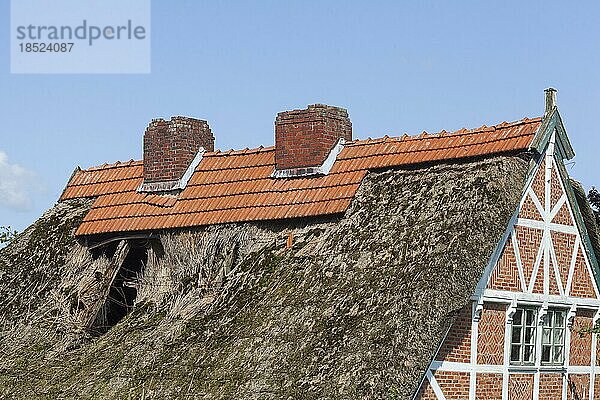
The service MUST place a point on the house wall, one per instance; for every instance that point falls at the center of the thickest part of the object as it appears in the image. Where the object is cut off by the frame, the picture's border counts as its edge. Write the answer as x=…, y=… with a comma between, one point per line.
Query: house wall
x=542, y=263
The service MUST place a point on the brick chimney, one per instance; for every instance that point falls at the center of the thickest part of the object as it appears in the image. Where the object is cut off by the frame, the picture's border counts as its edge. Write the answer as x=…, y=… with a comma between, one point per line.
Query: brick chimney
x=304, y=138
x=170, y=147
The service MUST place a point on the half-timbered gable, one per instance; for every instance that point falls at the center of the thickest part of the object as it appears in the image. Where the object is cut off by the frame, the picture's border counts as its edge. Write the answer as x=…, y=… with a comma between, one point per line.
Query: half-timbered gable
x=526, y=332
x=454, y=265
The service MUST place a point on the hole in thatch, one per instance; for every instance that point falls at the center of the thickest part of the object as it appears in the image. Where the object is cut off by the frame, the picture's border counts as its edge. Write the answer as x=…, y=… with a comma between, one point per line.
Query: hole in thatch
x=108, y=250
x=123, y=289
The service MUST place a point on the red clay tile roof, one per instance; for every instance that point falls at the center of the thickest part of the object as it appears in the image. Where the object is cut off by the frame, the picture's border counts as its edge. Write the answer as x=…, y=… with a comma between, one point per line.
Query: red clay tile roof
x=236, y=186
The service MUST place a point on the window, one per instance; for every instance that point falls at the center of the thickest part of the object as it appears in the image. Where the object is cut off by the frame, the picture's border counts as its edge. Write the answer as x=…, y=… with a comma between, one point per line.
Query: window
x=522, y=342
x=553, y=338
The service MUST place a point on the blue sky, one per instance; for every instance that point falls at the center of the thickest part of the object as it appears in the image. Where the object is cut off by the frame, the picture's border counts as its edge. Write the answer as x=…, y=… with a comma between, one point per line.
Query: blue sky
x=397, y=67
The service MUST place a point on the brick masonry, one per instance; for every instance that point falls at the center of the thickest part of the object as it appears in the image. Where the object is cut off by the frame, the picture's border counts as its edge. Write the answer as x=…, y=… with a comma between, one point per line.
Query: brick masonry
x=506, y=275
x=457, y=346
x=581, y=341
x=304, y=138
x=454, y=385
x=520, y=387
x=170, y=146
x=556, y=191
x=551, y=386
x=529, y=210
x=426, y=392
x=582, y=282
x=490, y=342
x=578, y=387
x=489, y=387
x=563, y=216
x=529, y=240
x=539, y=183
x=564, y=244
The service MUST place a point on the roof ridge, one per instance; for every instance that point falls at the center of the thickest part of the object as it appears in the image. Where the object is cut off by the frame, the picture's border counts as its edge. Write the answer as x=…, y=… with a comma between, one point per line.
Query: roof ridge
x=241, y=152
x=445, y=134
x=356, y=142
x=116, y=164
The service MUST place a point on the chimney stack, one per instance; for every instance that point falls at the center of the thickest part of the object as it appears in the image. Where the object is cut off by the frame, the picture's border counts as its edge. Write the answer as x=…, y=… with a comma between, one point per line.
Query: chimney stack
x=304, y=138
x=550, y=100
x=170, y=147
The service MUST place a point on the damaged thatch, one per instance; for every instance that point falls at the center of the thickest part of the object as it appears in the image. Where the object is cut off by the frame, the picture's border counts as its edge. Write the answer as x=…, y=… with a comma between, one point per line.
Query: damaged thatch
x=353, y=309
x=34, y=264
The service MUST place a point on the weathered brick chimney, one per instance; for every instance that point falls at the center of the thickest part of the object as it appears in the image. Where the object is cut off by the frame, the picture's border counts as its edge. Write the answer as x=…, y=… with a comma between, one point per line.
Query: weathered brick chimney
x=170, y=148
x=305, y=138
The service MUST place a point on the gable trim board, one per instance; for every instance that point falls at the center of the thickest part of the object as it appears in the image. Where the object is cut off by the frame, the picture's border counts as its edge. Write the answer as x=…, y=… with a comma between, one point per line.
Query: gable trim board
x=553, y=146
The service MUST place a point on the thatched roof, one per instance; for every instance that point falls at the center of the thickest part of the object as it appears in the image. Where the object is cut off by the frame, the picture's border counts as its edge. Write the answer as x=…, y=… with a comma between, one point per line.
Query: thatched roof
x=589, y=218
x=355, y=309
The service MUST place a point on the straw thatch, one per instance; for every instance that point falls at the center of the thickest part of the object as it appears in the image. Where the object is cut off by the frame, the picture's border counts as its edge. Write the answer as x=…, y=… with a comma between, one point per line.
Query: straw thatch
x=589, y=218
x=353, y=309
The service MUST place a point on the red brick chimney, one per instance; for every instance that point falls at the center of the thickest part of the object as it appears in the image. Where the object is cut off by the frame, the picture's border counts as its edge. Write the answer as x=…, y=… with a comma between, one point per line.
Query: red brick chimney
x=170, y=147
x=304, y=138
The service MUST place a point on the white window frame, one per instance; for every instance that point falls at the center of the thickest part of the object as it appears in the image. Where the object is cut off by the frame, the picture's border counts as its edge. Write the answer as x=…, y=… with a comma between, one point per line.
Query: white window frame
x=524, y=326
x=549, y=325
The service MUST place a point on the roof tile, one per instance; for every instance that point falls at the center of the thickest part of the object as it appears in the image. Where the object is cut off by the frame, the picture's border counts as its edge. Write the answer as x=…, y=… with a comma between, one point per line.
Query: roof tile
x=237, y=186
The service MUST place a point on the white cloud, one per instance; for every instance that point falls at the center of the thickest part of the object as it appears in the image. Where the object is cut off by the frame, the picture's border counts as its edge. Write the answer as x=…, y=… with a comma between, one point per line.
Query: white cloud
x=16, y=183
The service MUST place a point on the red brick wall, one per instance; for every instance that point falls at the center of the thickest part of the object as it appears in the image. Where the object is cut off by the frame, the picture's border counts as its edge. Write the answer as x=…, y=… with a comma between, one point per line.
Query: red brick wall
x=490, y=342
x=582, y=285
x=538, y=286
x=529, y=240
x=454, y=385
x=555, y=188
x=581, y=342
x=529, y=210
x=489, y=387
x=426, y=392
x=553, y=282
x=564, y=244
x=505, y=275
x=539, y=183
x=563, y=216
x=551, y=386
x=304, y=138
x=170, y=147
x=578, y=387
x=520, y=386
x=457, y=346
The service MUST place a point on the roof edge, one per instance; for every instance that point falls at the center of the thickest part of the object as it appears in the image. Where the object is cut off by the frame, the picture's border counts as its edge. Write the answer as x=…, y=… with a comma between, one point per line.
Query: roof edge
x=551, y=122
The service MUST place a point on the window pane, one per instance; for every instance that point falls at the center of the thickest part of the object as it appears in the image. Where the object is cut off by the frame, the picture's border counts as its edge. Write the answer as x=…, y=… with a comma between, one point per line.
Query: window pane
x=548, y=319
x=514, y=352
x=559, y=318
x=546, y=336
x=546, y=353
x=516, y=335
x=529, y=336
x=530, y=317
x=518, y=317
x=558, y=354
x=558, y=336
x=528, y=354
